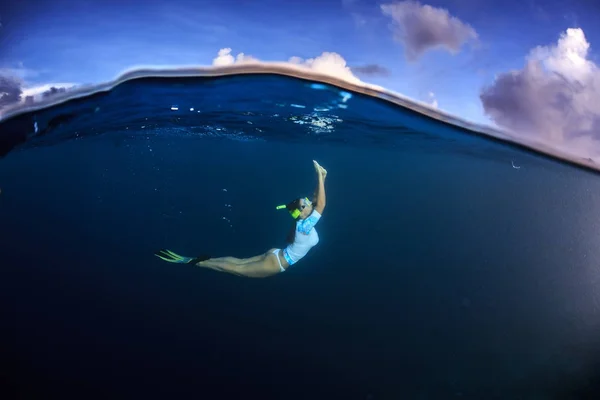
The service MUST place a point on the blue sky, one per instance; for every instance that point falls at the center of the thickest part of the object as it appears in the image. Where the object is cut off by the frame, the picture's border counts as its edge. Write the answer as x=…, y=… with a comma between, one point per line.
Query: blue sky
x=91, y=41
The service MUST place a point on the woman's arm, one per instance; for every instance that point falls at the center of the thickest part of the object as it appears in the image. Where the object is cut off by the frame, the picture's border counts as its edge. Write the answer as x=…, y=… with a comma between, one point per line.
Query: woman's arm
x=319, y=198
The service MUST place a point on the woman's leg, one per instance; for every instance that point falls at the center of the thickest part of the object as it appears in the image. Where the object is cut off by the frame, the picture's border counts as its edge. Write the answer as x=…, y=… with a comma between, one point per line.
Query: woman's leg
x=261, y=266
x=241, y=261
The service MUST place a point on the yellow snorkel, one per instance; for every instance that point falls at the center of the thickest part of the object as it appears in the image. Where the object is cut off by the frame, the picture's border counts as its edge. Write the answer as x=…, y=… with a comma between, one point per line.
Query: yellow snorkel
x=294, y=212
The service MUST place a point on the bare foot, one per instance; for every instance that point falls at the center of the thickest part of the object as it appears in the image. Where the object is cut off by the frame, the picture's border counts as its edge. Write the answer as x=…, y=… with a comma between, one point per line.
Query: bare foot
x=320, y=170
x=323, y=172
x=317, y=166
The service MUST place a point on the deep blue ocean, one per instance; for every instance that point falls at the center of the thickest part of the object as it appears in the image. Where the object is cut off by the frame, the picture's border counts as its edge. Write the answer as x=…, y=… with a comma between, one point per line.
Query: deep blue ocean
x=450, y=265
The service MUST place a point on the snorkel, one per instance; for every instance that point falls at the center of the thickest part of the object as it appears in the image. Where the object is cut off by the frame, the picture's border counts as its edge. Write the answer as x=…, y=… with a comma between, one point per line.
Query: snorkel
x=292, y=209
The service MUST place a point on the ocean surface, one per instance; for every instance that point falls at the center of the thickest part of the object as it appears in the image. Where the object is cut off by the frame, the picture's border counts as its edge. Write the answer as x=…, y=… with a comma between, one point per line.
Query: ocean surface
x=450, y=265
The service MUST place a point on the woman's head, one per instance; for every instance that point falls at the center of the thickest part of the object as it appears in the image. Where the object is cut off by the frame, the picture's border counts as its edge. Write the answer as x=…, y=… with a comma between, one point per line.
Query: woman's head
x=300, y=208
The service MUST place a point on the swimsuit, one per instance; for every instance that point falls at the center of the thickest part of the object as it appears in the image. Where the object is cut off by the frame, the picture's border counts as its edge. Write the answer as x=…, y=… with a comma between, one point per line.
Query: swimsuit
x=306, y=238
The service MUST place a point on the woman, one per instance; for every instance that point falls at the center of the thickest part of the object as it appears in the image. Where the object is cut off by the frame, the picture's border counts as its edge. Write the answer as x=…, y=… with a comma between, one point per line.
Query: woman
x=301, y=239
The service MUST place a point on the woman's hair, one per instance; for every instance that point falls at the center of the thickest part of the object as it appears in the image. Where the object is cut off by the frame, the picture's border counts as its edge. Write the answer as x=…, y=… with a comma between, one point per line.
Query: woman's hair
x=291, y=236
x=294, y=205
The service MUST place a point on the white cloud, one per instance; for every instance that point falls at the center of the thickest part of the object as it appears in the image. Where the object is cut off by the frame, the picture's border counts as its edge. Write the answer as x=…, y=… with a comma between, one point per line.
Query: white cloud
x=554, y=98
x=432, y=100
x=421, y=27
x=14, y=91
x=37, y=91
x=225, y=58
x=327, y=63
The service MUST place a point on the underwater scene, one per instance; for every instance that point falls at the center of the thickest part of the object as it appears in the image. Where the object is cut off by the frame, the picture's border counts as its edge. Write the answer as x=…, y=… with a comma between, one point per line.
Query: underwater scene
x=449, y=264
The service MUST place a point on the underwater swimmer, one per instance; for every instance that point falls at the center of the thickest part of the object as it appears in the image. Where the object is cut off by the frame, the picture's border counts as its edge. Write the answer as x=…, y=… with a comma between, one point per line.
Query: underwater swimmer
x=301, y=239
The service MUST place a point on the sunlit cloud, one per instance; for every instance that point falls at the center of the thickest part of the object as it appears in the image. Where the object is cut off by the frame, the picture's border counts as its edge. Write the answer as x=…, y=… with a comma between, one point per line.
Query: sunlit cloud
x=224, y=57
x=327, y=63
x=555, y=97
x=431, y=100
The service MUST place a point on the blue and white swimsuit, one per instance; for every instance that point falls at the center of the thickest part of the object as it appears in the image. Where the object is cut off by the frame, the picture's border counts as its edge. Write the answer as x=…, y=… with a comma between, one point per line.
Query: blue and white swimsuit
x=305, y=239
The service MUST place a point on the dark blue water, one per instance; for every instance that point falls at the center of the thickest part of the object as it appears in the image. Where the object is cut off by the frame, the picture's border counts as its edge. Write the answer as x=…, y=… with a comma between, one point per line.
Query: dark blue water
x=442, y=271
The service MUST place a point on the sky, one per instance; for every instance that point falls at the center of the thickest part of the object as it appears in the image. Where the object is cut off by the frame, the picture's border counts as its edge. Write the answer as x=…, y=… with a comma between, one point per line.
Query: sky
x=525, y=65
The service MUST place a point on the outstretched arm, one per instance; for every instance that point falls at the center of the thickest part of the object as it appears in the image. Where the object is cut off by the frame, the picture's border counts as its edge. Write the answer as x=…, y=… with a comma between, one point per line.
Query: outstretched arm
x=319, y=198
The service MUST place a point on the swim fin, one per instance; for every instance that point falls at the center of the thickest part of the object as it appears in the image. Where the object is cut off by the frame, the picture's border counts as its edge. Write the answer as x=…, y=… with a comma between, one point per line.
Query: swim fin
x=173, y=257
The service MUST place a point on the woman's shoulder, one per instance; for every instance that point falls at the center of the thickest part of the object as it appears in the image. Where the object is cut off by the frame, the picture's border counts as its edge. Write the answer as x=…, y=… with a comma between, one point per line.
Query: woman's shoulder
x=307, y=224
x=312, y=217
x=315, y=214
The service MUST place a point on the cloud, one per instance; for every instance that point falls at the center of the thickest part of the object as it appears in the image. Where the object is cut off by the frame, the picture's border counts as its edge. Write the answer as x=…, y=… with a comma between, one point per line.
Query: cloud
x=225, y=58
x=421, y=27
x=13, y=91
x=10, y=90
x=371, y=69
x=432, y=101
x=53, y=90
x=554, y=98
x=14, y=86
x=49, y=89
x=327, y=63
